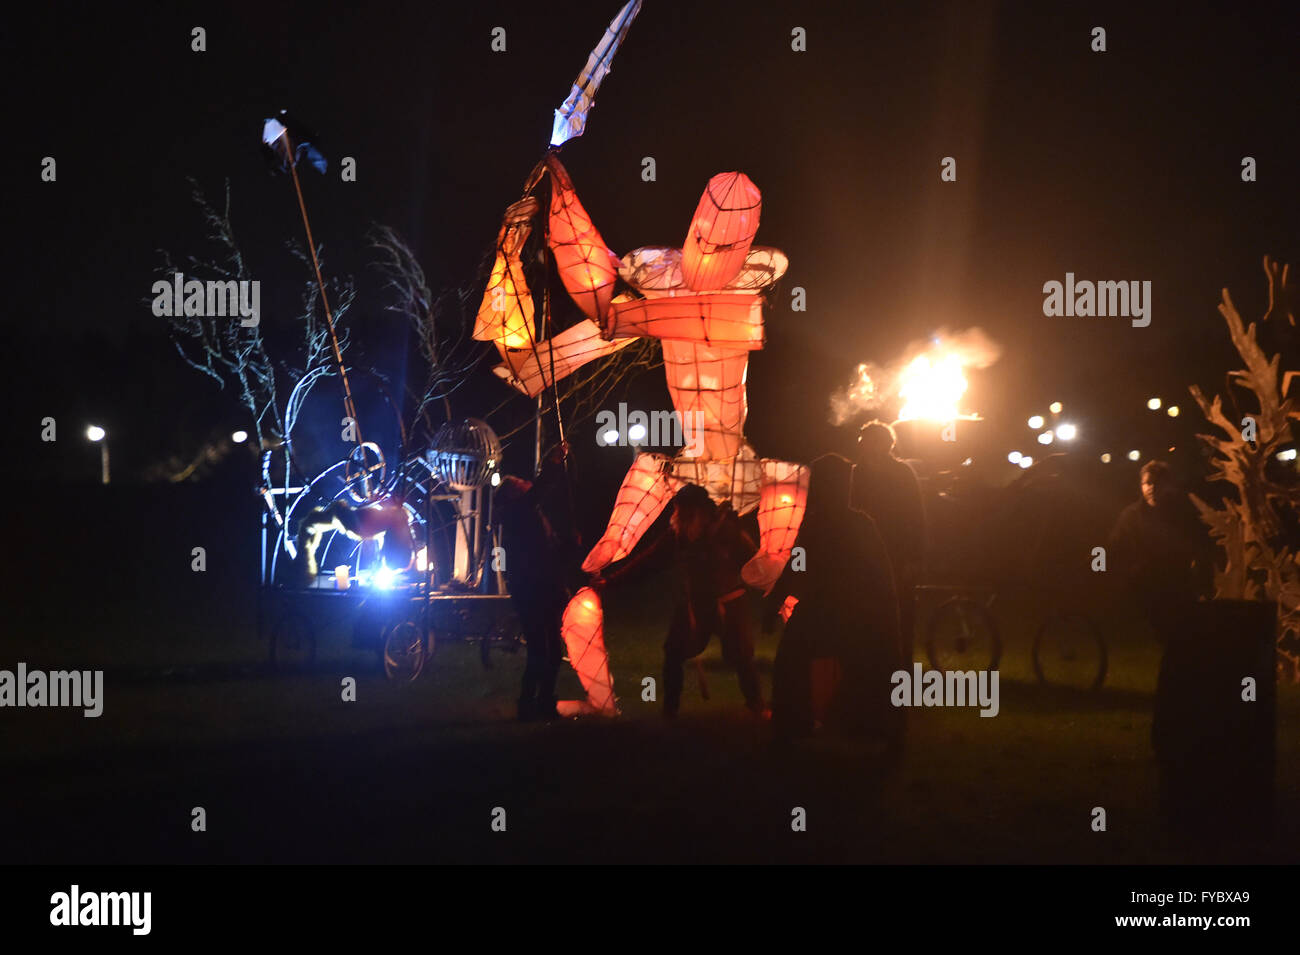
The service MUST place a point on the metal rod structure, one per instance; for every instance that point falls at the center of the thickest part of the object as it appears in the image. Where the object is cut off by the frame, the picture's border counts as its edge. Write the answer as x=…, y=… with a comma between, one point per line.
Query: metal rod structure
x=349, y=407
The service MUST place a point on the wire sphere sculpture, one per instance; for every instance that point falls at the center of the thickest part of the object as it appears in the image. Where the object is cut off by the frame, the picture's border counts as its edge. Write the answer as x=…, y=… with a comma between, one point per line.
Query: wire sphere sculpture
x=465, y=454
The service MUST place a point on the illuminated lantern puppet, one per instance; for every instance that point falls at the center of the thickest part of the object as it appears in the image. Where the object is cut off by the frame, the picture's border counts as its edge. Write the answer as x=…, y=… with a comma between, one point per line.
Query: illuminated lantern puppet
x=586, y=265
x=704, y=303
x=583, y=627
x=506, y=314
x=721, y=232
x=781, y=504
x=641, y=498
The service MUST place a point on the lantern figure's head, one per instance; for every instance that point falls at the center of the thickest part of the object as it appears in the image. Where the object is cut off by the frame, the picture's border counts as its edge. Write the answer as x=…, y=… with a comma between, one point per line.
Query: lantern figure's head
x=721, y=231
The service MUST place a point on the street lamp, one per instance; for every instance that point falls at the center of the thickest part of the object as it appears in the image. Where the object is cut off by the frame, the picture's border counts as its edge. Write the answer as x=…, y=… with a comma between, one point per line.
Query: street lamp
x=99, y=436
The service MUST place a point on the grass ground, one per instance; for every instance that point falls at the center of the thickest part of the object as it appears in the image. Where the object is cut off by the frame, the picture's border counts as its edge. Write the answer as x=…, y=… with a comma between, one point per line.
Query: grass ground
x=289, y=772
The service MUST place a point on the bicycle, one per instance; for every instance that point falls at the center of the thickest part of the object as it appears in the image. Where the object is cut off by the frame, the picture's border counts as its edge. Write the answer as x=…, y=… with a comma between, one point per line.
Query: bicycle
x=962, y=634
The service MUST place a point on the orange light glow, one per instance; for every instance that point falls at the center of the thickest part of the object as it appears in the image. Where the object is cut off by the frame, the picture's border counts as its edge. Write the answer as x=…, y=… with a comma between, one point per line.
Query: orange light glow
x=931, y=388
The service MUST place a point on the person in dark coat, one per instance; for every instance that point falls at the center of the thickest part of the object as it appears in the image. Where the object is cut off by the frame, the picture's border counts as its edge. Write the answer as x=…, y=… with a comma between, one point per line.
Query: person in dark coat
x=535, y=575
x=885, y=488
x=1162, y=553
x=707, y=547
x=1160, y=549
x=844, y=607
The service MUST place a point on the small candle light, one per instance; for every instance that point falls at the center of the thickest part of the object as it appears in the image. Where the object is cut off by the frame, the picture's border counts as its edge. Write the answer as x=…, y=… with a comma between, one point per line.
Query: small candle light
x=341, y=580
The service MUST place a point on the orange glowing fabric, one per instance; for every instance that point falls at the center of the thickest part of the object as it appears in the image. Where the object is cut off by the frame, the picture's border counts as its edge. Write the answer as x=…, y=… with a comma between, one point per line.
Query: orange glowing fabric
x=781, y=504
x=529, y=369
x=707, y=386
x=583, y=627
x=727, y=319
x=506, y=313
x=586, y=265
x=721, y=232
x=645, y=490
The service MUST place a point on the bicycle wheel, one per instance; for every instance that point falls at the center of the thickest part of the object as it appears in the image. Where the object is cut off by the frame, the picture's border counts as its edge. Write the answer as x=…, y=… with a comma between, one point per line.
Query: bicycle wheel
x=1069, y=652
x=405, y=652
x=962, y=635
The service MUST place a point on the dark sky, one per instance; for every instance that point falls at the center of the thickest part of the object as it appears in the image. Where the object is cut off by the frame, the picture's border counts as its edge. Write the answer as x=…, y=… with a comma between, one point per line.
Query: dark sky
x=1119, y=165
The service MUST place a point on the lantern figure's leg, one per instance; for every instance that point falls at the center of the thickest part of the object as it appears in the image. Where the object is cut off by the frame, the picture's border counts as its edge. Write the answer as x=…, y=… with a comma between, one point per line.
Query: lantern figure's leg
x=646, y=489
x=782, y=500
x=583, y=628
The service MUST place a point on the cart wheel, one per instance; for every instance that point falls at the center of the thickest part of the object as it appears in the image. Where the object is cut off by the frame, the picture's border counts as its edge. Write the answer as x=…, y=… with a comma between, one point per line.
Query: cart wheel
x=405, y=652
x=293, y=643
x=961, y=635
x=1068, y=651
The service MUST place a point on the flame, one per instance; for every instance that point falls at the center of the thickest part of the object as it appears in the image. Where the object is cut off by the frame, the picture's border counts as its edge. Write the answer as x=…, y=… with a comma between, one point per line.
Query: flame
x=931, y=388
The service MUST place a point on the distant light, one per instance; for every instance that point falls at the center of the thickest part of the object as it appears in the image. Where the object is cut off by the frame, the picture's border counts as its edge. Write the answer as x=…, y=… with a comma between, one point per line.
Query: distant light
x=966, y=462
x=1154, y=404
x=1066, y=432
x=1288, y=455
x=1172, y=411
x=1105, y=458
x=1036, y=422
x=1055, y=407
x=610, y=437
x=95, y=433
x=239, y=437
x=1045, y=438
x=636, y=433
x=1133, y=455
x=1014, y=457
x=384, y=578
x=1026, y=462
x=496, y=478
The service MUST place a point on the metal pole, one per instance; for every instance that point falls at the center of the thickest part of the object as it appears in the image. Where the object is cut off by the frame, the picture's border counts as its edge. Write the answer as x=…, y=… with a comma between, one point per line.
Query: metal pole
x=103, y=460
x=349, y=407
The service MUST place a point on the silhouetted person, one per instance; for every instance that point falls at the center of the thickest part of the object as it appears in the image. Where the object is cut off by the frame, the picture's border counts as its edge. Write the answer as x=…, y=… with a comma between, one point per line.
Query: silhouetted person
x=846, y=609
x=1163, y=555
x=707, y=547
x=1160, y=549
x=886, y=488
x=535, y=575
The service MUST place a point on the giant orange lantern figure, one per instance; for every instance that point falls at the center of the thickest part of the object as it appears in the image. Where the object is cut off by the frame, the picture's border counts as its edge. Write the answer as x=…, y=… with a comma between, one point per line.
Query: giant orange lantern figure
x=583, y=628
x=704, y=304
